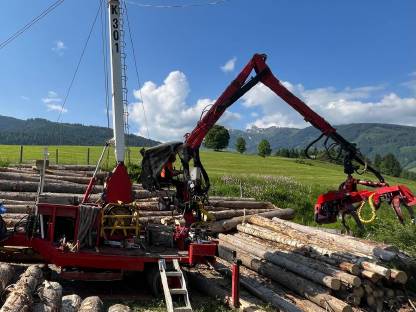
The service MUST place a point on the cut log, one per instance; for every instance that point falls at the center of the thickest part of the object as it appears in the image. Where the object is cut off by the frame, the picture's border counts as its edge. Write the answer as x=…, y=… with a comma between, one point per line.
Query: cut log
x=284, y=261
x=302, y=286
x=242, y=204
x=71, y=303
x=218, y=198
x=215, y=286
x=48, y=178
x=119, y=308
x=372, y=276
x=262, y=288
x=372, y=267
x=398, y=276
x=341, y=240
x=296, y=245
x=21, y=296
x=345, y=278
x=227, y=214
x=231, y=224
x=24, y=186
x=6, y=275
x=91, y=304
x=50, y=295
x=13, y=209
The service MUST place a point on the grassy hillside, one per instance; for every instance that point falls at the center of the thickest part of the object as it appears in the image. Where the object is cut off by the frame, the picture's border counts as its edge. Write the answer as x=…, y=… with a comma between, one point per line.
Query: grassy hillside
x=371, y=138
x=38, y=131
x=285, y=182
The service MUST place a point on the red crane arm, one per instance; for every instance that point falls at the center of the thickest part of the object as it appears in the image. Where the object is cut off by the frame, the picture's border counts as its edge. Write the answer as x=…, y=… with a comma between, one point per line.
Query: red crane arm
x=238, y=87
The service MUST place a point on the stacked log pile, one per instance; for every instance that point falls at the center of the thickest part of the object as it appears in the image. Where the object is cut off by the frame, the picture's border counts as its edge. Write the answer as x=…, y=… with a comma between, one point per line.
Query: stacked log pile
x=295, y=266
x=32, y=292
x=67, y=184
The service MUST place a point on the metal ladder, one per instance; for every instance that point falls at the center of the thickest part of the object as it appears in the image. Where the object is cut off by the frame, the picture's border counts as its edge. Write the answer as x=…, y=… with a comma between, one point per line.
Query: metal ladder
x=183, y=291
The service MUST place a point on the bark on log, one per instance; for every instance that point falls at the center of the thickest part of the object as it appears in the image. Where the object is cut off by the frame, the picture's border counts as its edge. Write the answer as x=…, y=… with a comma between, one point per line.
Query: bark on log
x=231, y=224
x=372, y=267
x=72, y=167
x=228, y=214
x=345, y=278
x=48, y=178
x=91, y=304
x=343, y=240
x=284, y=261
x=338, y=246
x=119, y=308
x=24, y=186
x=13, y=209
x=6, y=275
x=50, y=294
x=232, y=198
x=398, y=276
x=71, y=303
x=242, y=204
x=303, y=287
x=20, y=298
x=372, y=276
x=206, y=282
x=262, y=288
x=296, y=245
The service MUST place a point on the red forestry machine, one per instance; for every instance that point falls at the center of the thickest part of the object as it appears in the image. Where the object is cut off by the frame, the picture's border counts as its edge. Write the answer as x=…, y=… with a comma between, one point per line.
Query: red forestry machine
x=193, y=188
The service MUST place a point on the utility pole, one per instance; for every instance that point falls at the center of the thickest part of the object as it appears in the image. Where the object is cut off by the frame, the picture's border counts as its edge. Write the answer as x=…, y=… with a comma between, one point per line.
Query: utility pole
x=116, y=78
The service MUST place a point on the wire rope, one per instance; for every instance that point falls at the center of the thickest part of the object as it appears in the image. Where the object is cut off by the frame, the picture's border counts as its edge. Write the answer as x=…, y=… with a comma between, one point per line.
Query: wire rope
x=32, y=22
x=176, y=6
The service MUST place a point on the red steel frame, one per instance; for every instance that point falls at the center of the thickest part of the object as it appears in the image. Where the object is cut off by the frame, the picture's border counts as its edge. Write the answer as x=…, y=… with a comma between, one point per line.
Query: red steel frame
x=51, y=253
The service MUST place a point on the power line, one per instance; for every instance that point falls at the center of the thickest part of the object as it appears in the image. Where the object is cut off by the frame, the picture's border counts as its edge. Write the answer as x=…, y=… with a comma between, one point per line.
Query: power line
x=79, y=61
x=176, y=6
x=136, y=69
x=31, y=23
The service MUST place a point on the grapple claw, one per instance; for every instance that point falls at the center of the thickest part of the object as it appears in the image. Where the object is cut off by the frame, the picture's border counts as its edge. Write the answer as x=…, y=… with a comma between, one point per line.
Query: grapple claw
x=395, y=204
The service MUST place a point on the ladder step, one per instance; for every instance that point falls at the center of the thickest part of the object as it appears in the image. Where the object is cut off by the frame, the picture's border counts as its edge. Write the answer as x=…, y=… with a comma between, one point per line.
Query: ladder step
x=173, y=274
x=182, y=309
x=178, y=291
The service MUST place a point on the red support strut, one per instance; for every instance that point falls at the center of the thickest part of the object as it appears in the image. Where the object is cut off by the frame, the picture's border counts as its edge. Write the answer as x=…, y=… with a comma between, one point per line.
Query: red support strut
x=235, y=283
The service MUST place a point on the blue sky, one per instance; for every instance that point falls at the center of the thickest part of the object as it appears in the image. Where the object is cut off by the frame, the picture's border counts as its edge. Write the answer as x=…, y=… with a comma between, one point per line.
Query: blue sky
x=352, y=61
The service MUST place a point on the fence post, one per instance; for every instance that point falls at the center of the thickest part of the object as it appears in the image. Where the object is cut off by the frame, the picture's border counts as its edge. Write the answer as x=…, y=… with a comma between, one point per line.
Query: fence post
x=21, y=154
x=56, y=156
x=128, y=155
x=88, y=156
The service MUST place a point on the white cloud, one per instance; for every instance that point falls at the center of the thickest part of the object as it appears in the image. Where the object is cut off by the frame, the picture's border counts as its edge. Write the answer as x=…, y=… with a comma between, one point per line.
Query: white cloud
x=350, y=105
x=24, y=98
x=56, y=108
x=59, y=47
x=168, y=115
x=411, y=85
x=229, y=65
x=53, y=102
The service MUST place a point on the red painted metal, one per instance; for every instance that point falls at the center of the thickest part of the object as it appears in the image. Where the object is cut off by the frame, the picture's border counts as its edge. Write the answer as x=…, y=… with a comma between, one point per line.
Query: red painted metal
x=91, y=276
x=235, y=283
x=89, y=189
x=119, y=259
x=258, y=64
x=118, y=186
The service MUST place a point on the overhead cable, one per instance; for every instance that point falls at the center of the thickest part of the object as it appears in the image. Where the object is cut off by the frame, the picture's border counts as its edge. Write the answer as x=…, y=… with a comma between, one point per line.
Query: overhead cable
x=31, y=23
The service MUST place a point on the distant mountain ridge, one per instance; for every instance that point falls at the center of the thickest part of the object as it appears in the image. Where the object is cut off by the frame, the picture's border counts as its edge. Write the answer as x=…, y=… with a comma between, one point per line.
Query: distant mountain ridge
x=38, y=131
x=371, y=138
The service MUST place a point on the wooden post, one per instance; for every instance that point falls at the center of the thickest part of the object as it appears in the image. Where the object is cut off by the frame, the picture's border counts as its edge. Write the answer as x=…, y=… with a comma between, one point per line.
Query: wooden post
x=56, y=156
x=21, y=154
x=88, y=156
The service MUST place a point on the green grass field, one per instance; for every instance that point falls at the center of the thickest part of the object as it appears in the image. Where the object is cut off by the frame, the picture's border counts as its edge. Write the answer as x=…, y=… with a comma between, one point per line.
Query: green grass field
x=288, y=183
